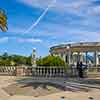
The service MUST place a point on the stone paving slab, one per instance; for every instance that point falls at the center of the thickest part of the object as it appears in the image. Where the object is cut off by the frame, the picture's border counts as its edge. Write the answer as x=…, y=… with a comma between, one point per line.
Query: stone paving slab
x=4, y=81
x=60, y=96
x=3, y=95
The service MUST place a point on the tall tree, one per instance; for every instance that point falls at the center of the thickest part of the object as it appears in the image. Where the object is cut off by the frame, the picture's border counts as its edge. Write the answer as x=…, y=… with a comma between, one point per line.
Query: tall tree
x=50, y=61
x=3, y=20
x=5, y=55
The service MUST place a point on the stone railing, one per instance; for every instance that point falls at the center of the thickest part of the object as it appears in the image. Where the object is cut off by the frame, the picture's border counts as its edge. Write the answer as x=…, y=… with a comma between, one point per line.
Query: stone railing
x=88, y=72
x=93, y=72
x=16, y=70
x=47, y=71
x=7, y=70
x=32, y=71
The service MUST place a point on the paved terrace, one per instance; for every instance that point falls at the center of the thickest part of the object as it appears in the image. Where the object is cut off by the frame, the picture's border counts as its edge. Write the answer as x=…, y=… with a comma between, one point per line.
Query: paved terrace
x=66, y=95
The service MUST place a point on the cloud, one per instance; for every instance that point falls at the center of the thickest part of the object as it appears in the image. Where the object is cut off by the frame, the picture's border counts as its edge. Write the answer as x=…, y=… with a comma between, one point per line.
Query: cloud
x=36, y=3
x=40, y=17
x=94, y=10
x=20, y=40
x=3, y=39
x=29, y=40
x=16, y=30
x=86, y=36
x=73, y=13
x=61, y=5
x=64, y=18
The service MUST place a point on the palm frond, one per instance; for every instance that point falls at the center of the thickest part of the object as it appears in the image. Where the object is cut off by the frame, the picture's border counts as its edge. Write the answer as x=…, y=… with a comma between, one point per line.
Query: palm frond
x=3, y=21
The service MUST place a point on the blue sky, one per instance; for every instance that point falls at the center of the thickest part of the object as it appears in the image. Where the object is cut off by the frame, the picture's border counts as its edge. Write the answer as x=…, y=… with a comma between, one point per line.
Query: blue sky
x=65, y=21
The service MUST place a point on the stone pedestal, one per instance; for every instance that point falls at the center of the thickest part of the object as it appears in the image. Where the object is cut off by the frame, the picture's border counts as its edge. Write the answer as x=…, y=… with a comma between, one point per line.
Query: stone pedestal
x=20, y=71
x=28, y=72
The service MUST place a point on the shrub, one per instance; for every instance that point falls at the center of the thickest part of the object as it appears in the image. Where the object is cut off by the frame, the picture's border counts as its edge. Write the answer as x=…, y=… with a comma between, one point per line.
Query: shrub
x=51, y=61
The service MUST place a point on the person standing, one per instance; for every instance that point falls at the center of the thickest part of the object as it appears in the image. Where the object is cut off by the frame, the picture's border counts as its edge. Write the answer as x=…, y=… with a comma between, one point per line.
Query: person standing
x=80, y=69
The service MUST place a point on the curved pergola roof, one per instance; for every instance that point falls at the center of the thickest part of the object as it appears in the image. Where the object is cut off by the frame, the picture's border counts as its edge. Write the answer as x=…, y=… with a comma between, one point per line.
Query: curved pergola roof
x=82, y=46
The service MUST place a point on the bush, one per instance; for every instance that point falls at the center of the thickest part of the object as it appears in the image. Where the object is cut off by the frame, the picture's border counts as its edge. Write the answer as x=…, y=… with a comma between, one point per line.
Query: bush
x=51, y=61
x=14, y=60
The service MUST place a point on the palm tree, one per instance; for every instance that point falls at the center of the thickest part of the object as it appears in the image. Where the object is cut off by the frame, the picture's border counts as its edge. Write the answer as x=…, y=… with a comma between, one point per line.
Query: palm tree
x=3, y=21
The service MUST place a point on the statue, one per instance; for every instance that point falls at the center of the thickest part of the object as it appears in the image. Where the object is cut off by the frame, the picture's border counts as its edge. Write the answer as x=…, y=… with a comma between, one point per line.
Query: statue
x=34, y=58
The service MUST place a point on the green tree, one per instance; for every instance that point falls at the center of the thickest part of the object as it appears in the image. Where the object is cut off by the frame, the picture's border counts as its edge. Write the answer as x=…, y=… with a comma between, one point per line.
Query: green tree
x=14, y=60
x=50, y=61
x=28, y=61
x=5, y=55
x=3, y=20
x=5, y=62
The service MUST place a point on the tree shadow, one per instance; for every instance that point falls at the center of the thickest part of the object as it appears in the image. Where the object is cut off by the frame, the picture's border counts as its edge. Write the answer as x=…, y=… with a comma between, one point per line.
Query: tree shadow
x=35, y=85
x=87, y=81
x=28, y=82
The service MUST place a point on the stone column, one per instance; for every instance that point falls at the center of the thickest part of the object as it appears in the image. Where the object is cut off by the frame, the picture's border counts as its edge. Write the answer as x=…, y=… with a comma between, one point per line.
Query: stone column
x=72, y=60
x=81, y=56
x=96, y=58
x=86, y=54
x=68, y=54
x=69, y=57
x=64, y=57
x=78, y=56
x=59, y=55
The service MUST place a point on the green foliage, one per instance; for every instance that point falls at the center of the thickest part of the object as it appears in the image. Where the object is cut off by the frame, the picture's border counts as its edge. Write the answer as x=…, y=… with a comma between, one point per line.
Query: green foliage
x=3, y=20
x=28, y=61
x=14, y=60
x=50, y=61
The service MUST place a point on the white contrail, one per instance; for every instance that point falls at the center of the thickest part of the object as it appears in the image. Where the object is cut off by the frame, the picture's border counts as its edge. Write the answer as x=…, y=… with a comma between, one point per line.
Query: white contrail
x=39, y=19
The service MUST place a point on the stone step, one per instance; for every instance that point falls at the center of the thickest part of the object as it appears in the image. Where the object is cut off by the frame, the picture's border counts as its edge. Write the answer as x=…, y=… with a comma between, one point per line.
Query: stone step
x=83, y=85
